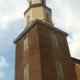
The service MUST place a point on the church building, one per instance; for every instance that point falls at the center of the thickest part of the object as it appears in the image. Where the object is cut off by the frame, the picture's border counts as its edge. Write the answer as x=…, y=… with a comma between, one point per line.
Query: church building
x=42, y=51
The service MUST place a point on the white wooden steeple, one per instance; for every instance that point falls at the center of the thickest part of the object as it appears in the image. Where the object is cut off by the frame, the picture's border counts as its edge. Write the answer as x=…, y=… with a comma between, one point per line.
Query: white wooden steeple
x=37, y=10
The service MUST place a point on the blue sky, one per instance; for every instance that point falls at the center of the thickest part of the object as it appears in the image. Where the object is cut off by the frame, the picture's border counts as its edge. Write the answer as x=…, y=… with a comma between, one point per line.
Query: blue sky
x=65, y=15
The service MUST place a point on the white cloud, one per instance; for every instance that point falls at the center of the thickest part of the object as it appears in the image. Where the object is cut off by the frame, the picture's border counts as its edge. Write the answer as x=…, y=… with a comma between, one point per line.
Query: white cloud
x=13, y=10
x=1, y=75
x=3, y=63
x=74, y=44
x=66, y=16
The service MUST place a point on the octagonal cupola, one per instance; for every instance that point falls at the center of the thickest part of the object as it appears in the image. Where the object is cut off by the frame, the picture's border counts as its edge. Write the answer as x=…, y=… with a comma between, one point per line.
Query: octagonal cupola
x=37, y=10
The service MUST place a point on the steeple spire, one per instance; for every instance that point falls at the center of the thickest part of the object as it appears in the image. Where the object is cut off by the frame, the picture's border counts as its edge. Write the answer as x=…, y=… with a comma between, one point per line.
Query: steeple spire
x=38, y=10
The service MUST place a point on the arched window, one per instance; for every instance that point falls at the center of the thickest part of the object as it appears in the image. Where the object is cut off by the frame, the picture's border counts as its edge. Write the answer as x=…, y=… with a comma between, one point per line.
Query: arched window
x=26, y=43
x=59, y=69
x=54, y=39
x=26, y=72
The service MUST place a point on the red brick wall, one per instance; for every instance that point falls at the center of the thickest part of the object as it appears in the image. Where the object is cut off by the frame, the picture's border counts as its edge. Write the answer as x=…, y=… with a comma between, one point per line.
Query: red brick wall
x=77, y=69
x=41, y=55
x=19, y=60
x=49, y=54
x=31, y=56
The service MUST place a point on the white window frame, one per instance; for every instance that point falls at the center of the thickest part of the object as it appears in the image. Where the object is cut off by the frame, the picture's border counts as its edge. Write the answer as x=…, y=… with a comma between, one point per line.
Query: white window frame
x=59, y=69
x=26, y=72
x=26, y=43
x=54, y=40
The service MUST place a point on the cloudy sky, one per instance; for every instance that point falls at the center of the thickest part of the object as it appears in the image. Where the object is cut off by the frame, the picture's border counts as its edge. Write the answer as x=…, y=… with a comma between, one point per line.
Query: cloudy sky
x=66, y=16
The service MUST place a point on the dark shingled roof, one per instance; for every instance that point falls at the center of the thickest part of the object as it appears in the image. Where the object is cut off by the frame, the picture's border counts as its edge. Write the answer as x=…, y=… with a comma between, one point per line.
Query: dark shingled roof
x=75, y=60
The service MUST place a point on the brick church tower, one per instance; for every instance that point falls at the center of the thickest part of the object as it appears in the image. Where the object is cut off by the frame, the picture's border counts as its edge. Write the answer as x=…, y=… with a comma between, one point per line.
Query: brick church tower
x=42, y=51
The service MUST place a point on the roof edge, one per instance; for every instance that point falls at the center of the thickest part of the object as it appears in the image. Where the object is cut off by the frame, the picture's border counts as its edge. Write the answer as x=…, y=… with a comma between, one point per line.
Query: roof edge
x=32, y=23
x=75, y=60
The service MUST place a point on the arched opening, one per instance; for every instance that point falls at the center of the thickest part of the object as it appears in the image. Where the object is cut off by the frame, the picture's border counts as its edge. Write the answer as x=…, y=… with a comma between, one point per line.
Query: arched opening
x=26, y=72
x=54, y=40
x=59, y=69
